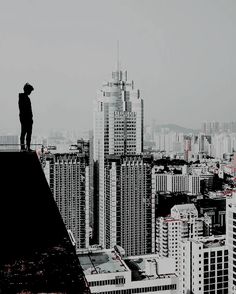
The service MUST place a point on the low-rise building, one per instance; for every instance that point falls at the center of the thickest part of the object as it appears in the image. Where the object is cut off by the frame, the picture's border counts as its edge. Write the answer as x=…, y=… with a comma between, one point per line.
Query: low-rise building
x=163, y=182
x=108, y=273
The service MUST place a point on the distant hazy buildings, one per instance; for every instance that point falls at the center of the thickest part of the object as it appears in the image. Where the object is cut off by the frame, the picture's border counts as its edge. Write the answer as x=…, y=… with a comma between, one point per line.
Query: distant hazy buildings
x=215, y=139
x=170, y=142
x=214, y=127
x=9, y=142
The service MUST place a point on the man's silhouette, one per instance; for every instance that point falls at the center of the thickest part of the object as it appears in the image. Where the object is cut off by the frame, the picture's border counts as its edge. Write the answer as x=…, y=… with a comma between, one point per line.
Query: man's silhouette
x=26, y=117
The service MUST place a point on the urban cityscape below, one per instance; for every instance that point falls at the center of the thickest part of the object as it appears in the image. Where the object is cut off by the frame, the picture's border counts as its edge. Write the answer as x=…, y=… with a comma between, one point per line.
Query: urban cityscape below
x=147, y=208
x=118, y=147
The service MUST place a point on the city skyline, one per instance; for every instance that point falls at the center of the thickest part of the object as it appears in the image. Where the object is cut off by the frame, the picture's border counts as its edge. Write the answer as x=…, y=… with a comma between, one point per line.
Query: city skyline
x=137, y=169
x=180, y=55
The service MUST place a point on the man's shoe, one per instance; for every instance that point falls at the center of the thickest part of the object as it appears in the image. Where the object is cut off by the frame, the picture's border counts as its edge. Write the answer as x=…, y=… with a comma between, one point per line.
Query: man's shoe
x=22, y=148
x=29, y=150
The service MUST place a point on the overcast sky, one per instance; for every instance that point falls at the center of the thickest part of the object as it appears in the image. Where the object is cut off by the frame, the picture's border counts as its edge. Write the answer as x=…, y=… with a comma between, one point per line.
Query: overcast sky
x=180, y=54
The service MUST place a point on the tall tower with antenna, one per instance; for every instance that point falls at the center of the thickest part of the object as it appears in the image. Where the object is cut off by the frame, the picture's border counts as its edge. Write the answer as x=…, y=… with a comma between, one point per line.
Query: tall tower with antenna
x=118, y=131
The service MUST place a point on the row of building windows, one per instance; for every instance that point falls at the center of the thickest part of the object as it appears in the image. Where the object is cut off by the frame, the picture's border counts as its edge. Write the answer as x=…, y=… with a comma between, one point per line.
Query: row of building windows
x=213, y=286
x=213, y=260
x=213, y=266
x=141, y=290
x=213, y=253
x=212, y=274
x=116, y=281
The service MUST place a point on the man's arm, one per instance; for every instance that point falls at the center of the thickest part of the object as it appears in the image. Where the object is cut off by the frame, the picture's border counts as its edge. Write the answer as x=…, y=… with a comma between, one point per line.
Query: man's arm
x=21, y=104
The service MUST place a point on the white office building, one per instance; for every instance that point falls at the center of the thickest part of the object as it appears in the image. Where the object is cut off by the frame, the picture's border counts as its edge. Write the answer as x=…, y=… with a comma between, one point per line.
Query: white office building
x=159, y=181
x=177, y=183
x=204, y=266
x=186, y=211
x=183, y=223
x=168, y=236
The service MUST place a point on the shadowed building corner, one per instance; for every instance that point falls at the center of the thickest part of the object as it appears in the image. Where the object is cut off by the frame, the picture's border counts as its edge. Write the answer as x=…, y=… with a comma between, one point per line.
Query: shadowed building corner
x=36, y=254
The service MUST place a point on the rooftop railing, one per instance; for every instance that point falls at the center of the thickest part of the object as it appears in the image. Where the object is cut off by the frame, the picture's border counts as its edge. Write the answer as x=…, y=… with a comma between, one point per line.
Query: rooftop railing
x=8, y=147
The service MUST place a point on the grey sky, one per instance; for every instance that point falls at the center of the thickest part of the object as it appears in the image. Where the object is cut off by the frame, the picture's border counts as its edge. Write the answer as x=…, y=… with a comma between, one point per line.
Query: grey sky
x=180, y=53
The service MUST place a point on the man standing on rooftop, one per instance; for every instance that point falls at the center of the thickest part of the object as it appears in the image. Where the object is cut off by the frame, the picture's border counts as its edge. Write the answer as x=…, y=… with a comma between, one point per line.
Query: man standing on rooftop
x=26, y=117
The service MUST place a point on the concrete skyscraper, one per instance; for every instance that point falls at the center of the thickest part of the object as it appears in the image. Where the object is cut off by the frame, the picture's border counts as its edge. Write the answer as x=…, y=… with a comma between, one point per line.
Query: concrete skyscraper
x=130, y=204
x=118, y=130
x=68, y=177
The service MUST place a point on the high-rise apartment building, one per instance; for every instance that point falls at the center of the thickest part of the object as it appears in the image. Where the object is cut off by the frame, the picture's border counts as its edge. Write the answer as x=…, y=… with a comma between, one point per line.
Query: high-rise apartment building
x=231, y=240
x=130, y=205
x=168, y=236
x=177, y=183
x=159, y=181
x=118, y=130
x=194, y=184
x=68, y=177
x=182, y=224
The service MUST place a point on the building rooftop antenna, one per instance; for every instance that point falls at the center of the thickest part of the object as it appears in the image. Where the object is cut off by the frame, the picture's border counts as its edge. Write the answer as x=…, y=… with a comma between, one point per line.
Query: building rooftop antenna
x=118, y=56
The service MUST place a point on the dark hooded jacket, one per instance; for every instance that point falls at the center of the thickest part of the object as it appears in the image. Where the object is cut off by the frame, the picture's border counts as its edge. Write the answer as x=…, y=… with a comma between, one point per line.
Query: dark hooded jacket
x=25, y=109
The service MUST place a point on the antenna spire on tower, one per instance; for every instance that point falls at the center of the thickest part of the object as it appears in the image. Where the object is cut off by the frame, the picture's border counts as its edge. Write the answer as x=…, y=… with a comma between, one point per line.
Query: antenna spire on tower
x=118, y=56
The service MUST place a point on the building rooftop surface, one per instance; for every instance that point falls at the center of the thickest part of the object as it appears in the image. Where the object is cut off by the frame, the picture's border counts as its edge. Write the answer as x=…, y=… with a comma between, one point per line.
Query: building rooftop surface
x=36, y=253
x=150, y=267
x=212, y=241
x=143, y=267
x=170, y=219
x=188, y=207
x=101, y=261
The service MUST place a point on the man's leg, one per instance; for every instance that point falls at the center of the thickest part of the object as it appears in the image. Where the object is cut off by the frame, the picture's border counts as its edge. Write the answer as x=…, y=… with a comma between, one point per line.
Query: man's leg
x=22, y=136
x=28, y=136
